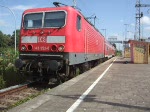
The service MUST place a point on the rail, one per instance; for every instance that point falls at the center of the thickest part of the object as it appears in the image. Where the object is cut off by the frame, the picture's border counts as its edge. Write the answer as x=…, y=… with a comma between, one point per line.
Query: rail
x=13, y=89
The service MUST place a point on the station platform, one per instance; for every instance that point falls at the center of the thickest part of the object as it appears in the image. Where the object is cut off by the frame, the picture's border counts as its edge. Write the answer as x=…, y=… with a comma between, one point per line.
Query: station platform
x=114, y=86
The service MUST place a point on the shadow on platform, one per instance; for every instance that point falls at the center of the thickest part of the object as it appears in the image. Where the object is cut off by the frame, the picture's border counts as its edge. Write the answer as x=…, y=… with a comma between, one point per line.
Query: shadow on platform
x=92, y=98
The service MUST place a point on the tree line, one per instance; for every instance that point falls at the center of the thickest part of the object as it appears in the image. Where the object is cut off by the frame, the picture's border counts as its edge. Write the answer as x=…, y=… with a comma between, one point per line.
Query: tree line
x=7, y=40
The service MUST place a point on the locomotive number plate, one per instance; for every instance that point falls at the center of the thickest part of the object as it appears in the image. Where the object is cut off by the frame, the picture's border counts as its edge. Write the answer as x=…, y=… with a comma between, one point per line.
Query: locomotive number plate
x=42, y=48
x=42, y=39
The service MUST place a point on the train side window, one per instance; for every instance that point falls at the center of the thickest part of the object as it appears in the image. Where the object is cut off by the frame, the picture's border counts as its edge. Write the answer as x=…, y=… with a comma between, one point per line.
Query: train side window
x=79, y=23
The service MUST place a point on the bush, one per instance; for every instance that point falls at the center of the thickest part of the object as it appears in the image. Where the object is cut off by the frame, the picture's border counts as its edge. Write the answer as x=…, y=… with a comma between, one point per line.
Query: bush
x=119, y=53
x=8, y=71
x=12, y=77
x=7, y=55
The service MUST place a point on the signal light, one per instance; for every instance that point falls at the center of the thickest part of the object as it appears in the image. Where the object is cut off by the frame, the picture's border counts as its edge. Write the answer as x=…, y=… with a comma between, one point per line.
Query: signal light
x=29, y=47
x=54, y=48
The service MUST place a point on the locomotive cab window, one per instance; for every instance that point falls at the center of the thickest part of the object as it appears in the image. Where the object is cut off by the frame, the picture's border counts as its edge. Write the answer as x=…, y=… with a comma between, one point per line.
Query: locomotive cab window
x=54, y=19
x=43, y=20
x=33, y=20
x=79, y=23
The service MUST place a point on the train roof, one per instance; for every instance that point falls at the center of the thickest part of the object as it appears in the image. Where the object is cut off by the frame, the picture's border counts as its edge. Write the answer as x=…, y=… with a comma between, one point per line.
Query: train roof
x=48, y=9
x=60, y=8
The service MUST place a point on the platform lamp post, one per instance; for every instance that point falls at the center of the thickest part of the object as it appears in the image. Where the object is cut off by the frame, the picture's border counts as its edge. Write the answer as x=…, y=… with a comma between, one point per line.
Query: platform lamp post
x=132, y=33
x=126, y=25
x=14, y=20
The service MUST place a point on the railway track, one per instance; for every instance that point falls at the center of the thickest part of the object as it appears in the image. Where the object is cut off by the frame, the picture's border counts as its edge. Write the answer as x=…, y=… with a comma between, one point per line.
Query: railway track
x=18, y=94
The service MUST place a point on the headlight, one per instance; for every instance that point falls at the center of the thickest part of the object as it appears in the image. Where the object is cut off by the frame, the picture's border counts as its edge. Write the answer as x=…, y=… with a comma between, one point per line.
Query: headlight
x=61, y=48
x=23, y=48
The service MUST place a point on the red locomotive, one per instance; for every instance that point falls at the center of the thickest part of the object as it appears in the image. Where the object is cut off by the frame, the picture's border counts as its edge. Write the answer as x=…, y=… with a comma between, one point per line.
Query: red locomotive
x=59, y=41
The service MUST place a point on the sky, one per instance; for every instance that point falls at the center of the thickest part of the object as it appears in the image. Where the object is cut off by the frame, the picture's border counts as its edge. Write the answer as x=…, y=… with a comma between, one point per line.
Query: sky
x=111, y=15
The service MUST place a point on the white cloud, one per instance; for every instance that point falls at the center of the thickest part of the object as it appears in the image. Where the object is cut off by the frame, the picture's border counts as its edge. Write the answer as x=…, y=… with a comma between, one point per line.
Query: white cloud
x=21, y=7
x=147, y=28
x=145, y=20
x=3, y=23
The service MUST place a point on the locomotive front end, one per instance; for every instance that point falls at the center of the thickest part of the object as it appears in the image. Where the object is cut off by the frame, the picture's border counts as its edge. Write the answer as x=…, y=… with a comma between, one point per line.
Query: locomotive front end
x=42, y=41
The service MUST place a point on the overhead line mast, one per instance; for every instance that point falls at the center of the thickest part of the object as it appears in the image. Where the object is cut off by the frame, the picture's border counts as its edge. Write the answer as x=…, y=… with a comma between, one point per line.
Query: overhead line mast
x=138, y=17
x=74, y=3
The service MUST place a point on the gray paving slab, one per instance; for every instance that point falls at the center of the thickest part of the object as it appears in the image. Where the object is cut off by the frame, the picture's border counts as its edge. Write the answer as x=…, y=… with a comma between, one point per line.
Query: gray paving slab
x=124, y=88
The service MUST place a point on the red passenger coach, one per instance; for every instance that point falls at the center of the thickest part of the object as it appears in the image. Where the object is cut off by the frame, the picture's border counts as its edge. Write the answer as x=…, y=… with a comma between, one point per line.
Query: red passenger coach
x=58, y=41
x=109, y=50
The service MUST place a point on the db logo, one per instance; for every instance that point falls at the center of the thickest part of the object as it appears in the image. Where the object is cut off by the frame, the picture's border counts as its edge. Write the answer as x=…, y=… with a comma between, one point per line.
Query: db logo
x=42, y=39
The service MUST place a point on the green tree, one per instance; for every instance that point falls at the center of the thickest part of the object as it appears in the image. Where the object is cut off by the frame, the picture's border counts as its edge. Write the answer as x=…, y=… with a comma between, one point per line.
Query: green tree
x=4, y=40
x=13, y=38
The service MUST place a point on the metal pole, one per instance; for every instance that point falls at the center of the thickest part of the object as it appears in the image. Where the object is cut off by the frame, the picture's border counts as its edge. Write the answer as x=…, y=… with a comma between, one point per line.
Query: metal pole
x=133, y=34
x=105, y=32
x=125, y=35
x=15, y=22
x=139, y=24
x=74, y=3
x=126, y=31
x=94, y=20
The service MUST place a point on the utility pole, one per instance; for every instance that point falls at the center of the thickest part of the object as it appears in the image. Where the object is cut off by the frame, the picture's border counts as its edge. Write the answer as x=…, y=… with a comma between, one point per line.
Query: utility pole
x=105, y=32
x=126, y=25
x=138, y=17
x=94, y=18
